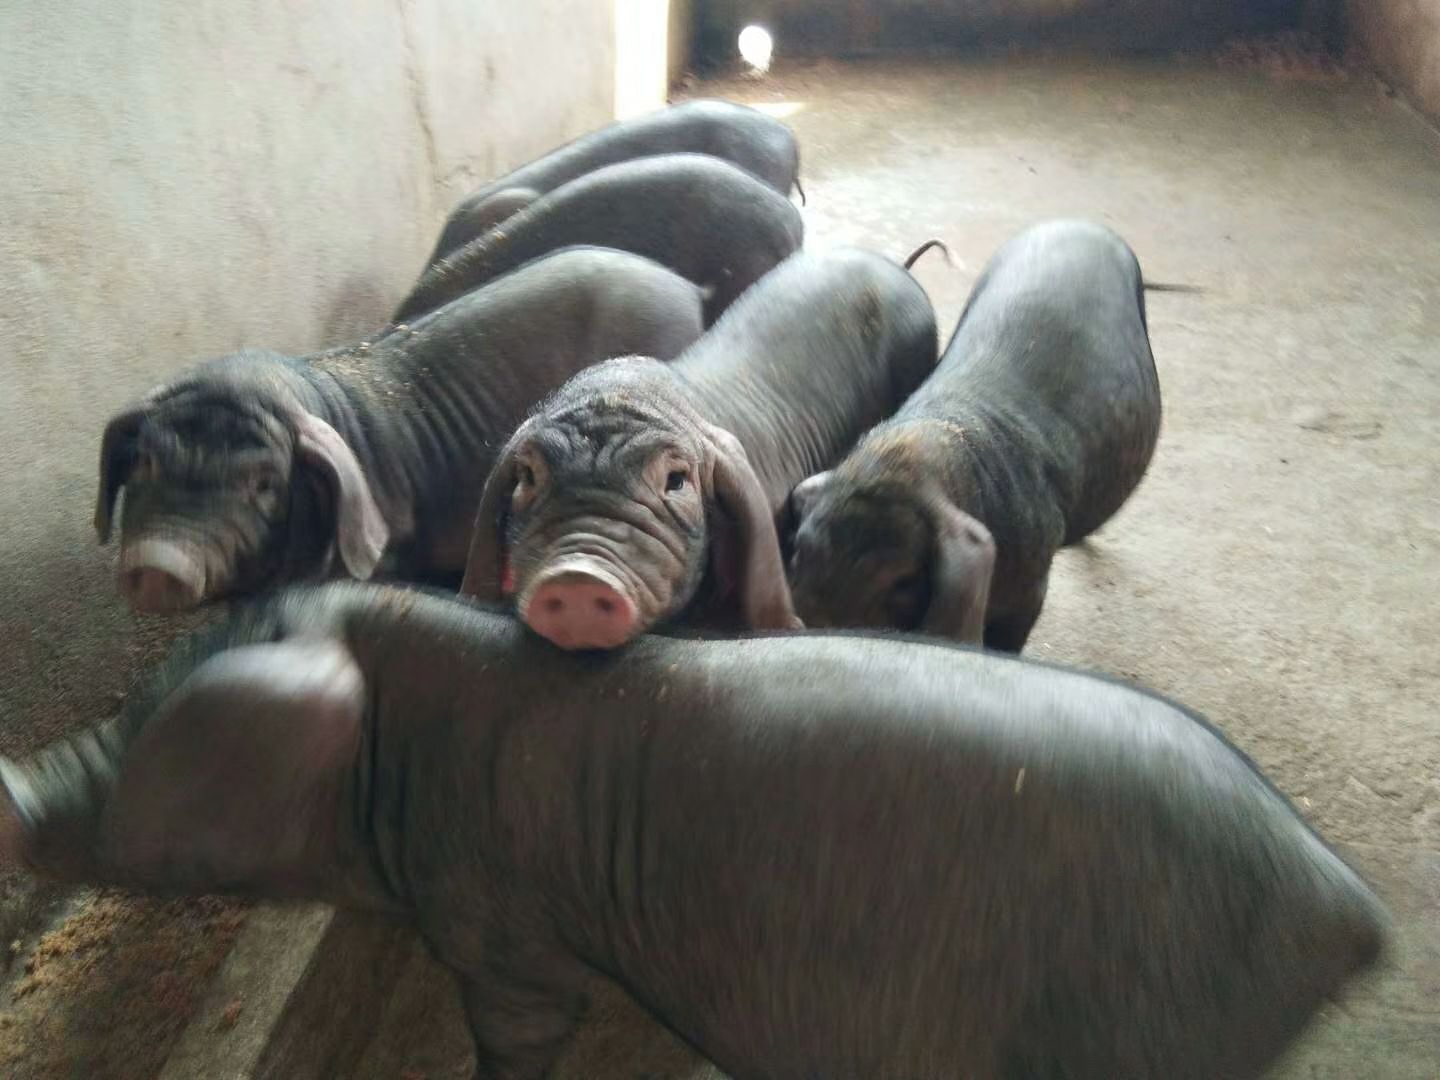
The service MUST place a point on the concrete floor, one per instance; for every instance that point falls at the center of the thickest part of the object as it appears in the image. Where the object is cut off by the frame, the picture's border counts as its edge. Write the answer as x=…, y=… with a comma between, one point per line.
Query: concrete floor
x=1276, y=570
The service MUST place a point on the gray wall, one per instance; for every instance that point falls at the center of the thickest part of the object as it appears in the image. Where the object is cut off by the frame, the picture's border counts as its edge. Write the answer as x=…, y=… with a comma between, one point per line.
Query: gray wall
x=1402, y=39
x=179, y=179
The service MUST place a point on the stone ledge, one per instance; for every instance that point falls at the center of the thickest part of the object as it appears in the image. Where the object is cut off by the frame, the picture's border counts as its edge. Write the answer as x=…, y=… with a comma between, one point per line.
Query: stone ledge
x=299, y=997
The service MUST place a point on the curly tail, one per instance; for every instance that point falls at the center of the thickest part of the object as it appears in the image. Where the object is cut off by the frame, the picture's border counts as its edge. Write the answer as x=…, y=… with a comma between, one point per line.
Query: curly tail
x=1161, y=286
x=926, y=246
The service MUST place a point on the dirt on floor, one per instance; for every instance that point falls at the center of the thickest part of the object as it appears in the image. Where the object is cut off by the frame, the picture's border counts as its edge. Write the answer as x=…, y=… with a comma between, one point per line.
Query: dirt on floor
x=1275, y=570
x=105, y=993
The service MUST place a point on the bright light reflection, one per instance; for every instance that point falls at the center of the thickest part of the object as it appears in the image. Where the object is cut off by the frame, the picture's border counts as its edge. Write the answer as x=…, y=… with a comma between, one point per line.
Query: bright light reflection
x=756, y=47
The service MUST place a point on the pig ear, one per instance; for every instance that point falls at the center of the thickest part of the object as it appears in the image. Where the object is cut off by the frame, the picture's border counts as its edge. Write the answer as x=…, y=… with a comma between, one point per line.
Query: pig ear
x=117, y=456
x=361, y=528
x=802, y=496
x=764, y=592
x=228, y=784
x=804, y=492
x=485, y=569
x=962, y=566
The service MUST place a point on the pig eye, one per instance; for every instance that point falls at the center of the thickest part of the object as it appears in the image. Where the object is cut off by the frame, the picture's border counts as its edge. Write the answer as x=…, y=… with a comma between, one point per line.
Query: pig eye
x=676, y=480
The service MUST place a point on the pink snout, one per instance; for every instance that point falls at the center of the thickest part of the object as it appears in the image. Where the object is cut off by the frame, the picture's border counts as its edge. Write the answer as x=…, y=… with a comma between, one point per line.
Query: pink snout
x=158, y=577
x=580, y=609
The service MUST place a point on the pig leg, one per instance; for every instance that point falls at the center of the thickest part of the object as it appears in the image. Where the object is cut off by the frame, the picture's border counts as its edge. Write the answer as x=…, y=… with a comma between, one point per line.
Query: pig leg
x=1010, y=631
x=521, y=1022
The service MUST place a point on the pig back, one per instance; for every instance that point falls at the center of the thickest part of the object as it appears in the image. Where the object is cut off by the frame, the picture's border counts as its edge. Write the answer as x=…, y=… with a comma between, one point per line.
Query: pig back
x=711, y=221
x=925, y=861
x=1052, y=351
x=810, y=357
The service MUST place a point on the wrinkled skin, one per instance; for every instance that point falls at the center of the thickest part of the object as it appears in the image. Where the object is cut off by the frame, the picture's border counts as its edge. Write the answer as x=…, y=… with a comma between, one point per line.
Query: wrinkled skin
x=641, y=494
x=258, y=468
x=709, y=221
x=229, y=480
x=622, y=490
x=1036, y=426
x=759, y=144
x=808, y=855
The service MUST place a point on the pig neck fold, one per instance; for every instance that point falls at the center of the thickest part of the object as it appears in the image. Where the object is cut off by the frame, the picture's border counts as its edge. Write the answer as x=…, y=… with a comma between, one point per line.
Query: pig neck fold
x=367, y=403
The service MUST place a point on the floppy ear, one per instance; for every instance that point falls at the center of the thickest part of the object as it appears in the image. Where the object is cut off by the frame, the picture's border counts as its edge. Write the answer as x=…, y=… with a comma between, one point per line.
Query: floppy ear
x=961, y=569
x=226, y=786
x=486, y=569
x=360, y=527
x=802, y=496
x=764, y=592
x=117, y=457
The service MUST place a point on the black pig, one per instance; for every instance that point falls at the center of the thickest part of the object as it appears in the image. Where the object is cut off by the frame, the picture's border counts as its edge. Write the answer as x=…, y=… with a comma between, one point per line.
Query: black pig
x=258, y=467
x=1036, y=426
x=810, y=855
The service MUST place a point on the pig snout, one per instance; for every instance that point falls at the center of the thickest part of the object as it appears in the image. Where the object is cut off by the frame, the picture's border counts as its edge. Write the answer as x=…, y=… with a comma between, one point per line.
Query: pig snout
x=159, y=576
x=578, y=605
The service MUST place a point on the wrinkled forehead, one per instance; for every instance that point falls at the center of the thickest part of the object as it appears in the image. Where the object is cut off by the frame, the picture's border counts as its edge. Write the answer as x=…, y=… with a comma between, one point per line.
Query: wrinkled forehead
x=866, y=522
x=609, y=429
x=208, y=430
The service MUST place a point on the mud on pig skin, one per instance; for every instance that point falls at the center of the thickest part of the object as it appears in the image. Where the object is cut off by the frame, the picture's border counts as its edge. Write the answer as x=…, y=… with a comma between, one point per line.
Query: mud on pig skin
x=258, y=467
x=1036, y=426
x=822, y=854
x=641, y=493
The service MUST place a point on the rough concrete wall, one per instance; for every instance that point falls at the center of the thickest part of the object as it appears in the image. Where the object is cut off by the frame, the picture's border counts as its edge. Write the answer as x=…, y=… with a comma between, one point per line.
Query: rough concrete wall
x=1402, y=38
x=846, y=26
x=641, y=63
x=652, y=51
x=682, y=38
x=181, y=179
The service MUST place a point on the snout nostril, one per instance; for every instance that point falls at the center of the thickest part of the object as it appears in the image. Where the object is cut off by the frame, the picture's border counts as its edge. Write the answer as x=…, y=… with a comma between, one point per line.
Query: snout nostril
x=605, y=604
x=554, y=605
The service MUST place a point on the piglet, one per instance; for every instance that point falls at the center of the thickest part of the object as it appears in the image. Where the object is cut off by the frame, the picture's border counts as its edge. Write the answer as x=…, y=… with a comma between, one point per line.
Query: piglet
x=707, y=220
x=1035, y=428
x=743, y=136
x=809, y=855
x=640, y=492
x=257, y=468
